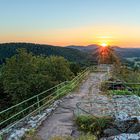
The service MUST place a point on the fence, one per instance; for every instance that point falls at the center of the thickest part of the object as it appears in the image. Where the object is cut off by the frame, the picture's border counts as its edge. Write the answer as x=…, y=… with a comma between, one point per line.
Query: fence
x=127, y=88
x=34, y=105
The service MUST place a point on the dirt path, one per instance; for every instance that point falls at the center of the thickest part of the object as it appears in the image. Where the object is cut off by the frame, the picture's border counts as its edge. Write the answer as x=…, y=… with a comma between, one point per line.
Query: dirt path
x=61, y=122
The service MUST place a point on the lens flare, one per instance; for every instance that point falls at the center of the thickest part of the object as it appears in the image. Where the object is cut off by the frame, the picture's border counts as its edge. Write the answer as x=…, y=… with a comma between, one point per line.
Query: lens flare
x=104, y=44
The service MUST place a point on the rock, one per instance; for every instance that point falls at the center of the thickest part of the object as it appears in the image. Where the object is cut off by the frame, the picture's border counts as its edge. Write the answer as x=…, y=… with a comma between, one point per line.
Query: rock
x=134, y=129
x=75, y=133
x=126, y=126
x=111, y=132
x=17, y=134
x=49, y=110
x=124, y=136
x=138, y=118
x=121, y=116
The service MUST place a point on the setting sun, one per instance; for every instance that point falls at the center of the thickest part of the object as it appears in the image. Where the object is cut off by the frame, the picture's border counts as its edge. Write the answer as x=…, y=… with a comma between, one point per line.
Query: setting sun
x=104, y=44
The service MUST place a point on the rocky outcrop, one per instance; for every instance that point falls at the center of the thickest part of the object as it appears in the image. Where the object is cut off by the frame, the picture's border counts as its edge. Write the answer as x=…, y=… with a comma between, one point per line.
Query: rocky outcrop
x=16, y=132
x=124, y=109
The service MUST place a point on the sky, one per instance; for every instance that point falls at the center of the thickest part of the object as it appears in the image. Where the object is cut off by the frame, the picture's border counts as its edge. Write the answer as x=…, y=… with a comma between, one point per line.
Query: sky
x=71, y=22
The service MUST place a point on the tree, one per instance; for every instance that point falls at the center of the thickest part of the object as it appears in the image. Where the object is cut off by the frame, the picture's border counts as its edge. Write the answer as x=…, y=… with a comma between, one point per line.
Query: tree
x=16, y=74
x=21, y=78
x=75, y=68
x=107, y=55
x=58, y=68
x=25, y=75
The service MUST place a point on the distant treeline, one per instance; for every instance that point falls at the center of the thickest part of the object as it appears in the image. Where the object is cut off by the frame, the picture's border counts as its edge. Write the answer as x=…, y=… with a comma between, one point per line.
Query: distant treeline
x=7, y=50
x=24, y=75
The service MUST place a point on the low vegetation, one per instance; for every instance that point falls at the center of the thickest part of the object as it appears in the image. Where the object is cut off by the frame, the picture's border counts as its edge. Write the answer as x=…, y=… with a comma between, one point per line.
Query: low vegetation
x=126, y=74
x=120, y=92
x=93, y=125
x=31, y=135
x=124, y=81
x=82, y=137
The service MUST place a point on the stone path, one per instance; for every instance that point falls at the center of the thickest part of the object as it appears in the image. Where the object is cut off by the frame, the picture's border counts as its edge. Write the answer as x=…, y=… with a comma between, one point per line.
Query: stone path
x=61, y=122
x=125, y=110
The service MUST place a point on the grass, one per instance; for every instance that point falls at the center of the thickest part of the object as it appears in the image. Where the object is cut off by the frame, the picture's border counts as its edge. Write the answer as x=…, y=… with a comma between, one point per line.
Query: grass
x=135, y=88
x=137, y=92
x=81, y=137
x=120, y=92
x=32, y=136
x=93, y=125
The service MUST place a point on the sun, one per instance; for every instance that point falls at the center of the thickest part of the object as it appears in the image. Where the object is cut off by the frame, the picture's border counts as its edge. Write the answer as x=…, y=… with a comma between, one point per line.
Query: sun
x=104, y=44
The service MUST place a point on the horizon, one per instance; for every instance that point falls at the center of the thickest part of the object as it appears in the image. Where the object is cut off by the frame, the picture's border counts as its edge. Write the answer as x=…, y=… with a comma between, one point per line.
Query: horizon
x=72, y=45
x=64, y=23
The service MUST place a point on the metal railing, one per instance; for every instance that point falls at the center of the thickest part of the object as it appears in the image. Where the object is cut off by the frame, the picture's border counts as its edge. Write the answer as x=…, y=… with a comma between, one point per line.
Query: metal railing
x=133, y=87
x=34, y=105
x=129, y=88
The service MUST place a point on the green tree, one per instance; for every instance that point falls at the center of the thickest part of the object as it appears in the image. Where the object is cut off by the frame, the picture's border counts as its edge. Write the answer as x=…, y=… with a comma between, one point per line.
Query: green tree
x=75, y=68
x=25, y=75
x=21, y=78
x=16, y=74
x=41, y=80
x=58, y=68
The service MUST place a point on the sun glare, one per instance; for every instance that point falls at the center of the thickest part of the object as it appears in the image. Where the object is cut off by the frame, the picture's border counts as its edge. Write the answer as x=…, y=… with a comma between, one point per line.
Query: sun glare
x=104, y=44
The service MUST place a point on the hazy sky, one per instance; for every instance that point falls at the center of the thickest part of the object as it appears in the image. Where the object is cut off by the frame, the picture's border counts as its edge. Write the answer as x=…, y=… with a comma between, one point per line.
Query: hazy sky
x=67, y=22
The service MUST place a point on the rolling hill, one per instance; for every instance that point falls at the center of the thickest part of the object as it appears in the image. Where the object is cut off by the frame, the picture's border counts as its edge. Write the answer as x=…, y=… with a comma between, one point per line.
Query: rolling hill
x=79, y=54
x=122, y=52
x=9, y=49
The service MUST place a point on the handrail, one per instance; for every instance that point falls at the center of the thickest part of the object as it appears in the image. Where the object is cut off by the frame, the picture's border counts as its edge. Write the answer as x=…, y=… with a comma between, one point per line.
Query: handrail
x=39, y=103
x=32, y=97
x=133, y=88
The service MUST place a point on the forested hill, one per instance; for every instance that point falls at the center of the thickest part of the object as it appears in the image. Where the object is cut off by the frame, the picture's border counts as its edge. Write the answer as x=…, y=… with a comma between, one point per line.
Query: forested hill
x=9, y=49
x=122, y=52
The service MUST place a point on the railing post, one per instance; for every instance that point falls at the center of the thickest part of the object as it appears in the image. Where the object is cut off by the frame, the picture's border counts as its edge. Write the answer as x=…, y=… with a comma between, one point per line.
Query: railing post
x=38, y=103
x=57, y=88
